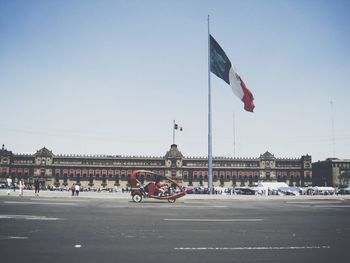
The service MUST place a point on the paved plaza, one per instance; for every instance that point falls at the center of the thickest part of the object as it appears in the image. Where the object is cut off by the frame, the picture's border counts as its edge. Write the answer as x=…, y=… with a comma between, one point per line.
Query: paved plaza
x=108, y=227
x=126, y=196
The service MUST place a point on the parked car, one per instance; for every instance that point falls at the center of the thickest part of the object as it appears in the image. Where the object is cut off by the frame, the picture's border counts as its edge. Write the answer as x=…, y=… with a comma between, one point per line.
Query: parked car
x=344, y=191
x=244, y=191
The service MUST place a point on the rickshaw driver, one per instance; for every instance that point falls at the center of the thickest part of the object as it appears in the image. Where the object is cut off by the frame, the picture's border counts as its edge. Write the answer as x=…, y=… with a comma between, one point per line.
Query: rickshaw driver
x=139, y=184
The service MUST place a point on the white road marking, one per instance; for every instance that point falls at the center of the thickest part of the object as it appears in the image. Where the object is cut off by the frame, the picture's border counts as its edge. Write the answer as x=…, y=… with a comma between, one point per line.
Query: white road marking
x=195, y=207
x=313, y=202
x=39, y=199
x=252, y=248
x=201, y=206
x=214, y=219
x=12, y=237
x=161, y=206
x=77, y=246
x=332, y=206
x=37, y=203
x=30, y=217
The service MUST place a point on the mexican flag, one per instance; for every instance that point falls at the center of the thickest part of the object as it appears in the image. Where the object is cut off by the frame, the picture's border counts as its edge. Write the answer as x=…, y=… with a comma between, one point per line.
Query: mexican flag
x=221, y=66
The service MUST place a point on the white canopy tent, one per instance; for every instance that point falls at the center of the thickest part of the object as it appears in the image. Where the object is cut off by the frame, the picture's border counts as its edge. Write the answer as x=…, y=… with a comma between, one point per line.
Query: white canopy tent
x=282, y=188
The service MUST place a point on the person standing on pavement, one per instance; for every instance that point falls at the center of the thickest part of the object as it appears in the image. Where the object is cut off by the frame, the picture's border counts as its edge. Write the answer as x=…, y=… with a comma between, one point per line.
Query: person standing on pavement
x=21, y=187
x=73, y=189
x=36, y=187
x=77, y=189
x=9, y=183
x=14, y=185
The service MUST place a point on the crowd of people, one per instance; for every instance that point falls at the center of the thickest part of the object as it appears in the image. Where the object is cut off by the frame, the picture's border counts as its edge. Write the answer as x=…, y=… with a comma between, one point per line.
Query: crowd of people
x=18, y=186
x=21, y=186
x=162, y=189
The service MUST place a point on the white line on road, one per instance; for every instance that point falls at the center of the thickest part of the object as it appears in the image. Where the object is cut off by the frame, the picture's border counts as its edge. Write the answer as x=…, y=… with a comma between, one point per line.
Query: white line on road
x=251, y=248
x=214, y=219
x=192, y=207
x=332, y=206
x=200, y=206
x=37, y=203
x=29, y=217
x=39, y=199
x=314, y=202
x=12, y=237
x=162, y=206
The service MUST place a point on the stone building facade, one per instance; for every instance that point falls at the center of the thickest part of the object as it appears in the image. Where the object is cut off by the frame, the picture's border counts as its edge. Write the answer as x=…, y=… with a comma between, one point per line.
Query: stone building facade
x=331, y=172
x=109, y=171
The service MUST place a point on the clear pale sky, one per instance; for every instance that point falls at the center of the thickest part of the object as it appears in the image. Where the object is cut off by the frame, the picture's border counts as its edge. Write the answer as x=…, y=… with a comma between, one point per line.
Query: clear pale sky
x=109, y=77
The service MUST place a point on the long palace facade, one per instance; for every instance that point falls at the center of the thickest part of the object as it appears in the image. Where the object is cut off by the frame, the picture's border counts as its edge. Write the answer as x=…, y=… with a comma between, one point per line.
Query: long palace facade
x=109, y=171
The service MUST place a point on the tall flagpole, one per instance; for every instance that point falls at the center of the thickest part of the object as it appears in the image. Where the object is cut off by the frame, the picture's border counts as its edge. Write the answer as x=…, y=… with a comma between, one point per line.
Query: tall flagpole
x=333, y=137
x=234, y=135
x=210, y=158
x=174, y=132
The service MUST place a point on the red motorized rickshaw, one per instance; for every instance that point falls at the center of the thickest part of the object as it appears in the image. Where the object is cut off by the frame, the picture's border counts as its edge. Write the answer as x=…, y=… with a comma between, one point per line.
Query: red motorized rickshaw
x=160, y=187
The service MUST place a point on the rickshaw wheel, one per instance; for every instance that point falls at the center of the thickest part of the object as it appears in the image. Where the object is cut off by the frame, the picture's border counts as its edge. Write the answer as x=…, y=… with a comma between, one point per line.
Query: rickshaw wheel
x=137, y=198
x=171, y=200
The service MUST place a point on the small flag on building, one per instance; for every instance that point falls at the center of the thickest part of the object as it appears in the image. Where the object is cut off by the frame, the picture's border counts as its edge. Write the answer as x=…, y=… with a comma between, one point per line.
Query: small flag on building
x=177, y=127
x=221, y=66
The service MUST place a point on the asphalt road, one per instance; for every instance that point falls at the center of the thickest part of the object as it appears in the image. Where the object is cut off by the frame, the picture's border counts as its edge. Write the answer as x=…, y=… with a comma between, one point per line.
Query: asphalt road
x=76, y=230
